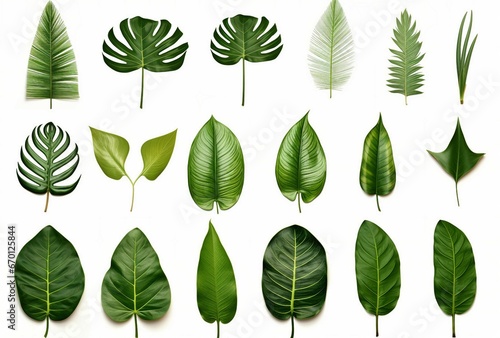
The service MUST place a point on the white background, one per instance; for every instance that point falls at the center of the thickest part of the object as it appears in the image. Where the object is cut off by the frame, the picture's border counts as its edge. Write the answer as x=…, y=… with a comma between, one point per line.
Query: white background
x=96, y=215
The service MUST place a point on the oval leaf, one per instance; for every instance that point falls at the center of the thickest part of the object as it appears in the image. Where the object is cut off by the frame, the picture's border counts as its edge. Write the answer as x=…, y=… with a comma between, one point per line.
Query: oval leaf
x=216, y=284
x=110, y=151
x=378, y=172
x=301, y=163
x=377, y=271
x=215, y=167
x=294, y=277
x=454, y=270
x=49, y=277
x=156, y=154
x=135, y=285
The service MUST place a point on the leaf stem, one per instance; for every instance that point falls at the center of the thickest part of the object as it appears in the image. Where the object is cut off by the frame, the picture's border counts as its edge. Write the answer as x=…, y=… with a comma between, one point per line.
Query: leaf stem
x=46, y=201
x=456, y=193
x=376, y=325
x=293, y=328
x=243, y=94
x=142, y=87
x=298, y=199
x=453, y=325
x=136, y=328
x=378, y=205
x=217, y=207
x=47, y=328
x=218, y=329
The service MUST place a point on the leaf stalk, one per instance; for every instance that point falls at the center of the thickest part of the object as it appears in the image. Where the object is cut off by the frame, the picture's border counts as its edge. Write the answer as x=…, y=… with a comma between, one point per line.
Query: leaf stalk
x=293, y=328
x=142, y=87
x=243, y=93
x=136, y=328
x=47, y=327
x=47, y=195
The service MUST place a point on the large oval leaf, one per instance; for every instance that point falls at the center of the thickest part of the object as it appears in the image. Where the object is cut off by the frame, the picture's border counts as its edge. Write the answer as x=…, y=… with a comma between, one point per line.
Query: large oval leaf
x=454, y=271
x=49, y=277
x=215, y=167
x=216, y=284
x=377, y=271
x=378, y=172
x=301, y=163
x=294, y=277
x=135, y=284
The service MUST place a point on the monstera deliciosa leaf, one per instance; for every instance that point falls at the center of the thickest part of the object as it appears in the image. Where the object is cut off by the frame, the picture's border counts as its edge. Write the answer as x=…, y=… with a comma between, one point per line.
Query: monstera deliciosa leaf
x=301, y=163
x=464, y=55
x=245, y=38
x=454, y=271
x=215, y=167
x=377, y=271
x=150, y=45
x=52, y=72
x=135, y=284
x=49, y=277
x=48, y=162
x=294, y=277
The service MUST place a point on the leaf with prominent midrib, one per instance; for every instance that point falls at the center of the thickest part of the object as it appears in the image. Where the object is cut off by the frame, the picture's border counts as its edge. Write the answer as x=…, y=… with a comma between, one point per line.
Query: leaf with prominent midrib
x=156, y=154
x=135, y=284
x=301, y=163
x=215, y=282
x=457, y=159
x=294, y=277
x=454, y=271
x=49, y=277
x=377, y=271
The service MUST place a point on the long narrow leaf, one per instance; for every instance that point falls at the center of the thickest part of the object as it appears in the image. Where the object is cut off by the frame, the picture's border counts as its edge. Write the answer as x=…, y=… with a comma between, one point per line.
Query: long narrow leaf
x=464, y=55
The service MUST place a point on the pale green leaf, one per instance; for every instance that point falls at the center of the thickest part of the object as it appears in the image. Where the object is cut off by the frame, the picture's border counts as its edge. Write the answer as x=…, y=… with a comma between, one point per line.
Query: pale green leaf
x=110, y=151
x=156, y=154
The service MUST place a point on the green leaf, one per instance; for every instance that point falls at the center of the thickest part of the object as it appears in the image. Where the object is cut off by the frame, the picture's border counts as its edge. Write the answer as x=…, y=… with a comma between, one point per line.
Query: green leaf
x=406, y=77
x=52, y=72
x=135, y=284
x=294, y=277
x=454, y=271
x=47, y=162
x=457, y=159
x=377, y=271
x=49, y=277
x=216, y=284
x=301, y=163
x=156, y=154
x=464, y=55
x=240, y=38
x=378, y=173
x=331, y=52
x=215, y=167
x=150, y=45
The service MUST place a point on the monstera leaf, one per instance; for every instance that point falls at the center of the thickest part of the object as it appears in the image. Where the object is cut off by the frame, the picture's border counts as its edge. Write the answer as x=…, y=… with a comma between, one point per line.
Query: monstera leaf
x=301, y=163
x=215, y=167
x=49, y=277
x=47, y=163
x=240, y=38
x=149, y=45
x=52, y=72
x=294, y=277
x=464, y=55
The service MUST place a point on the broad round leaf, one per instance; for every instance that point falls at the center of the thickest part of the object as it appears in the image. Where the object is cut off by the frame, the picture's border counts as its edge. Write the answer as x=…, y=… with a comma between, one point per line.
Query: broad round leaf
x=110, y=151
x=156, y=154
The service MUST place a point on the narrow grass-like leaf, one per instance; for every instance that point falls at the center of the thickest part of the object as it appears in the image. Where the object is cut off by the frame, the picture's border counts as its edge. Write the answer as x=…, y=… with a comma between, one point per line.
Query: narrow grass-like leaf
x=464, y=55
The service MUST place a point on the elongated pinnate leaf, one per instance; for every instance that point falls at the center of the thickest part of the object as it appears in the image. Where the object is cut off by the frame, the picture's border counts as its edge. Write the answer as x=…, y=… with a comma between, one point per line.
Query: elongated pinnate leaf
x=245, y=38
x=135, y=284
x=111, y=152
x=464, y=55
x=406, y=77
x=331, y=52
x=454, y=271
x=378, y=172
x=377, y=271
x=47, y=162
x=294, y=277
x=301, y=163
x=216, y=284
x=457, y=159
x=52, y=72
x=149, y=45
x=49, y=277
x=215, y=167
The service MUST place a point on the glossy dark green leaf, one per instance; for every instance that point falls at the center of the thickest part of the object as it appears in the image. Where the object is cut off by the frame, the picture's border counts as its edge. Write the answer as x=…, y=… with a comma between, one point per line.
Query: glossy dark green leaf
x=49, y=277
x=245, y=38
x=464, y=55
x=47, y=162
x=377, y=271
x=215, y=167
x=457, y=159
x=135, y=284
x=454, y=271
x=215, y=282
x=301, y=163
x=294, y=277
x=378, y=172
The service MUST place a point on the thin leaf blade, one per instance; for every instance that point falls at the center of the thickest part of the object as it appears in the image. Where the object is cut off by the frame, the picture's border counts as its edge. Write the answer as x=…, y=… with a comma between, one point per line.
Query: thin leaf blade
x=111, y=152
x=156, y=154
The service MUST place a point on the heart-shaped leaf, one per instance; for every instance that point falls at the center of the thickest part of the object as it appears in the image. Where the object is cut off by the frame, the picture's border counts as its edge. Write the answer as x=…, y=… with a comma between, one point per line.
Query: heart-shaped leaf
x=135, y=284
x=215, y=167
x=377, y=271
x=294, y=277
x=216, y=284
x=49, y=277
x=454, y=271
x=301, y=163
